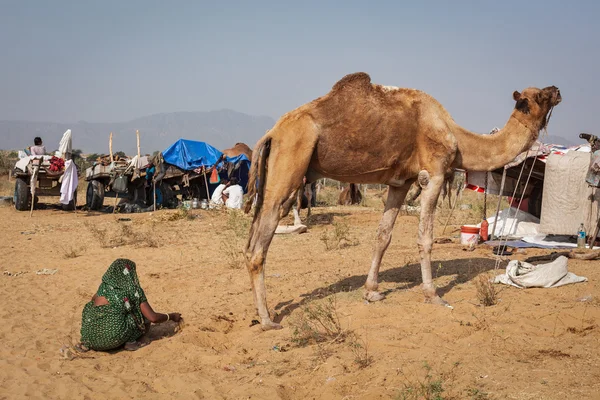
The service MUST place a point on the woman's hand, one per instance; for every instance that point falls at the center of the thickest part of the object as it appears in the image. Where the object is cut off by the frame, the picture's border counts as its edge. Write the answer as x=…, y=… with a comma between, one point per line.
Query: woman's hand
x=175, y=317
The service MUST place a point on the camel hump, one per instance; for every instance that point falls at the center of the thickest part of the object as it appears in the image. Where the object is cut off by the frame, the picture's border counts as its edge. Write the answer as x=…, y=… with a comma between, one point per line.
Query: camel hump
x=357, y=80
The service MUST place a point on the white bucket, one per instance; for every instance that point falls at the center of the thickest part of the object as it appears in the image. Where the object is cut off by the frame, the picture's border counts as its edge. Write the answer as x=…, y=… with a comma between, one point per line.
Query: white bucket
x=469, y=234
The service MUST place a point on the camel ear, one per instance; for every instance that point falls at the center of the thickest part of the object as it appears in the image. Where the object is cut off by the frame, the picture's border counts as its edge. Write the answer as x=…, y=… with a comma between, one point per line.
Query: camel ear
x=516, y=95
x=523, y=106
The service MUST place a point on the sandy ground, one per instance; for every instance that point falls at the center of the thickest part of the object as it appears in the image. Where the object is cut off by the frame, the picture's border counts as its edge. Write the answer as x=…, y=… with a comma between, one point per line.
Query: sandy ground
x=534, y=344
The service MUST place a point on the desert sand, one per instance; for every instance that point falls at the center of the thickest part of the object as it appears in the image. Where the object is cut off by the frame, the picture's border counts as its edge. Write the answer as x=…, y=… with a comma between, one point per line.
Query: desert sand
x=534, y=344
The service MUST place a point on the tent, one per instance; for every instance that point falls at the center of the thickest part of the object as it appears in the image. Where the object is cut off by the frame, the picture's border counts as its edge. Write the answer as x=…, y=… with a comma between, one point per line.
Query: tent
x=189, y=155
x=557, y=192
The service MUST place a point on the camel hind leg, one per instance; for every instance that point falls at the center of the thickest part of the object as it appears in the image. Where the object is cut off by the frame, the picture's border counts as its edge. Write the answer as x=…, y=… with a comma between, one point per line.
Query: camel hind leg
x=432, y=187
x=396, y=196
x=287, y=164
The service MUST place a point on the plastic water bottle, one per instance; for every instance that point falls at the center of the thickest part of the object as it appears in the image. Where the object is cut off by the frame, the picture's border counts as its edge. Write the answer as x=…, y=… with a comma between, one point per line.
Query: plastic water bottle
x=581, y=237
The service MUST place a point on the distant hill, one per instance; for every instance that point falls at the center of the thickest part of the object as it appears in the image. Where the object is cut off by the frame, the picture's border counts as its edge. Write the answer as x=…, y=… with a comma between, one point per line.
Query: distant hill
x=222, y=129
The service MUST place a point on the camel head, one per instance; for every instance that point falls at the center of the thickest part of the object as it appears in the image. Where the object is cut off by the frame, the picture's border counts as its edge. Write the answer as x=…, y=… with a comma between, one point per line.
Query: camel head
x=536, y=105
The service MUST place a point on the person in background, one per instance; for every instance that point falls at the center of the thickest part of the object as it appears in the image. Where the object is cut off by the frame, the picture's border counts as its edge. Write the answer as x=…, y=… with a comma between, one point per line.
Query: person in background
x=119, y=313
x=233, y=195
x=217, y=196
x=38, y=149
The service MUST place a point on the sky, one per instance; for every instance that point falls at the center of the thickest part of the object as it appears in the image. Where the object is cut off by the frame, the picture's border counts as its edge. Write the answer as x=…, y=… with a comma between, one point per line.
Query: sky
x=113, y=61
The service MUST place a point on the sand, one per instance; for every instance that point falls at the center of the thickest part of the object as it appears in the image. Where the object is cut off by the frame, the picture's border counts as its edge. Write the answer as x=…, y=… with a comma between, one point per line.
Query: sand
x=534, y=344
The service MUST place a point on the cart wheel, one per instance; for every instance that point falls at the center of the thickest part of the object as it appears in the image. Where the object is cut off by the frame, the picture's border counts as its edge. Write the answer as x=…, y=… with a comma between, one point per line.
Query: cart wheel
x=22, y=196
x=94, y=195
x=72, y=204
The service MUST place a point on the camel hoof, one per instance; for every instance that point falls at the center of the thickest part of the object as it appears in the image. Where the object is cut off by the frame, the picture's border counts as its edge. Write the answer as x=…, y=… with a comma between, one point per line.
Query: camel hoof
x=268, y=326
x=437, y=300
x=372, y=297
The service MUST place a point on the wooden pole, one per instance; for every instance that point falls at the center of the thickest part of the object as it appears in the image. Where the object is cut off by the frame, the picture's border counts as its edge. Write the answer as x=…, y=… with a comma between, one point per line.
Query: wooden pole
x=206, y=184
x=500, y=195
x=154, y=192
x=33, y=185
x=137, y=134
x=110, y=148
x=116, y=199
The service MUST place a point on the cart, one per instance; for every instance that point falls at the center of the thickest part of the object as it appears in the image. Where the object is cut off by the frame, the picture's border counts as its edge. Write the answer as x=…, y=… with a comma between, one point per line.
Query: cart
x=121, y=178
x=47, y=182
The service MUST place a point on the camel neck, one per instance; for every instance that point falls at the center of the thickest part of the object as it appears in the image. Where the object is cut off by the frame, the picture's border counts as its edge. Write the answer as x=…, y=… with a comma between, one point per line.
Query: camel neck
x=488, y=152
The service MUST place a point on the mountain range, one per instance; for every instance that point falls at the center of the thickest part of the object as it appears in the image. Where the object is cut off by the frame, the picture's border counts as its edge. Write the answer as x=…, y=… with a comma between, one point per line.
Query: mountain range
x=221, y=129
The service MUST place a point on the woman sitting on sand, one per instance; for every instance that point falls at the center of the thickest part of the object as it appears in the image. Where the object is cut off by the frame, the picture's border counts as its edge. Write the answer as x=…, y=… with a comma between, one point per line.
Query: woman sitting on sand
x=119, y=313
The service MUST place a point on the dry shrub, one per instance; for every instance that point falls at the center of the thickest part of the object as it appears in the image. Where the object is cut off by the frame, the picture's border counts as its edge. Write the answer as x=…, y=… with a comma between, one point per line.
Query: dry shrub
x=486, y=290
x=338, y=237
x=360, y=350
x=73, y=252
x=123, y=235
x=429, y=387
x=318, y=323
x=232, y=246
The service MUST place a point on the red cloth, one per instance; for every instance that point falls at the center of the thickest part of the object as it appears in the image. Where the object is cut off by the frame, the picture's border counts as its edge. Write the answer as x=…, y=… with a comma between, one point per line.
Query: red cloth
x=56, y=164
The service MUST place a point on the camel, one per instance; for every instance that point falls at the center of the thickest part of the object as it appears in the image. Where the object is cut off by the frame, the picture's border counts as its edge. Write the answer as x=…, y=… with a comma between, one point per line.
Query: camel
x=350, y=195
x=362, y=132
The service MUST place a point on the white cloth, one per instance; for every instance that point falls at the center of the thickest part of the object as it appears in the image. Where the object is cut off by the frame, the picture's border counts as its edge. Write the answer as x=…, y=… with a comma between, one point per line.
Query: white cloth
x=235, y=197
x=38, y=150
x=24, y=162
x=217, y=195
x=66, y=144
x=70, y=180
x=524, y=275
x=514, y=224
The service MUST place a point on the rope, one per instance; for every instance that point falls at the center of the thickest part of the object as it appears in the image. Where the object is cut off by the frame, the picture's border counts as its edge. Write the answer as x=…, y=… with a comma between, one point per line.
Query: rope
x=503, y=246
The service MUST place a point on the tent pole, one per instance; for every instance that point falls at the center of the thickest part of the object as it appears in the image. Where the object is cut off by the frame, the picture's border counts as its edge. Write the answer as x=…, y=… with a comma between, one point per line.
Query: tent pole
x=137, y=134
x=206, y=184
x=110, y=148
x=500, y=195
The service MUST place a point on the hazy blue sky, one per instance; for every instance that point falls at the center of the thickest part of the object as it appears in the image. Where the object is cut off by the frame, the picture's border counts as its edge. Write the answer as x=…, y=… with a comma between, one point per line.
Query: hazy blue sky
x=108, y=61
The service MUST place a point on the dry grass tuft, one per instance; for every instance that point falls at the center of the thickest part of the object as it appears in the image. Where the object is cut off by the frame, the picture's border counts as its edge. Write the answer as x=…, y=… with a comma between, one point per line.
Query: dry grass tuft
x=486, y=290
x=338, y=237
x=121, y=234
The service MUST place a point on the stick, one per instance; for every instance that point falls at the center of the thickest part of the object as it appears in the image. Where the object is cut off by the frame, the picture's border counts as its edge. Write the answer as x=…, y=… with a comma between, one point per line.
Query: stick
x=451, y=211
x=154, y=192
x=206, y=184
x=137, y=134
x=33, y=185
x=110, y=148
x=500, y=195
x=116, y=199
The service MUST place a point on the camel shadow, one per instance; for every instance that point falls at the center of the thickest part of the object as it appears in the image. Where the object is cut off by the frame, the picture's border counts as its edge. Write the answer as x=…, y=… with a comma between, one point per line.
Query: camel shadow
x=407, y=277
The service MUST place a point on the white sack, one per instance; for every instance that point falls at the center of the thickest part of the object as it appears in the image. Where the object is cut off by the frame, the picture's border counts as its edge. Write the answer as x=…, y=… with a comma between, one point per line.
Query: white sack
x=70, y=180
x=524, y=275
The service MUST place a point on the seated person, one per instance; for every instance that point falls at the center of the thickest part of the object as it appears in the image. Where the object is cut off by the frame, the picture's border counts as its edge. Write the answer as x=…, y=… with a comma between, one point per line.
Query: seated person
x=233, y=195
x=216, y=197
x=119, y=313
x=38, y=149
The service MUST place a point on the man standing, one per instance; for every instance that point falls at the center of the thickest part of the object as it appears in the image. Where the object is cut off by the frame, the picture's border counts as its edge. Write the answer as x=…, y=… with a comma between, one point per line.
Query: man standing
x=233, y=195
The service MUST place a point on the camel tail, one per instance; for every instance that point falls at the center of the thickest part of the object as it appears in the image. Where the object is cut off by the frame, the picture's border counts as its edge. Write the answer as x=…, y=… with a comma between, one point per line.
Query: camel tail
x=258, y=173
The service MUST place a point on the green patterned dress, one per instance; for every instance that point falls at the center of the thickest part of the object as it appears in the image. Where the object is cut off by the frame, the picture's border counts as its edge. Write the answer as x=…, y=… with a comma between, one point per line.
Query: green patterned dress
x=109, y=326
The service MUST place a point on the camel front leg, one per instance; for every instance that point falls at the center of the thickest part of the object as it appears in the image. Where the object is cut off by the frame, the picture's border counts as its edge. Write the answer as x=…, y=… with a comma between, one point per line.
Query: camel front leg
x=394, y=201
x=429, y=197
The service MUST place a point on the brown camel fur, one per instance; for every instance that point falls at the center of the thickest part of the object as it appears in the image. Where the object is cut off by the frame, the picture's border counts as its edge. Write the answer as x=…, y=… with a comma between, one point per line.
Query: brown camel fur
x=350, y=195
x=366, y=133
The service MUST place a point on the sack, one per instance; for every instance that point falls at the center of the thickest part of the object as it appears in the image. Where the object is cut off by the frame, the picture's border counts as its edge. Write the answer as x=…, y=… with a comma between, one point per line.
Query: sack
x=120, y=184
x=214, y=176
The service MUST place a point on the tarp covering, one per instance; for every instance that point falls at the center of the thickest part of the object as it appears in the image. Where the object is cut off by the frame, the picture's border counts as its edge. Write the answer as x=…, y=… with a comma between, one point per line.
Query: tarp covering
x=190, y=154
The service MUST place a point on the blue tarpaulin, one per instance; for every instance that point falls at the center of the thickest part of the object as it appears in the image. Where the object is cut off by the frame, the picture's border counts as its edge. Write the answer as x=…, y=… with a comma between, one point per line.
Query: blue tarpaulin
x=190, y=154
